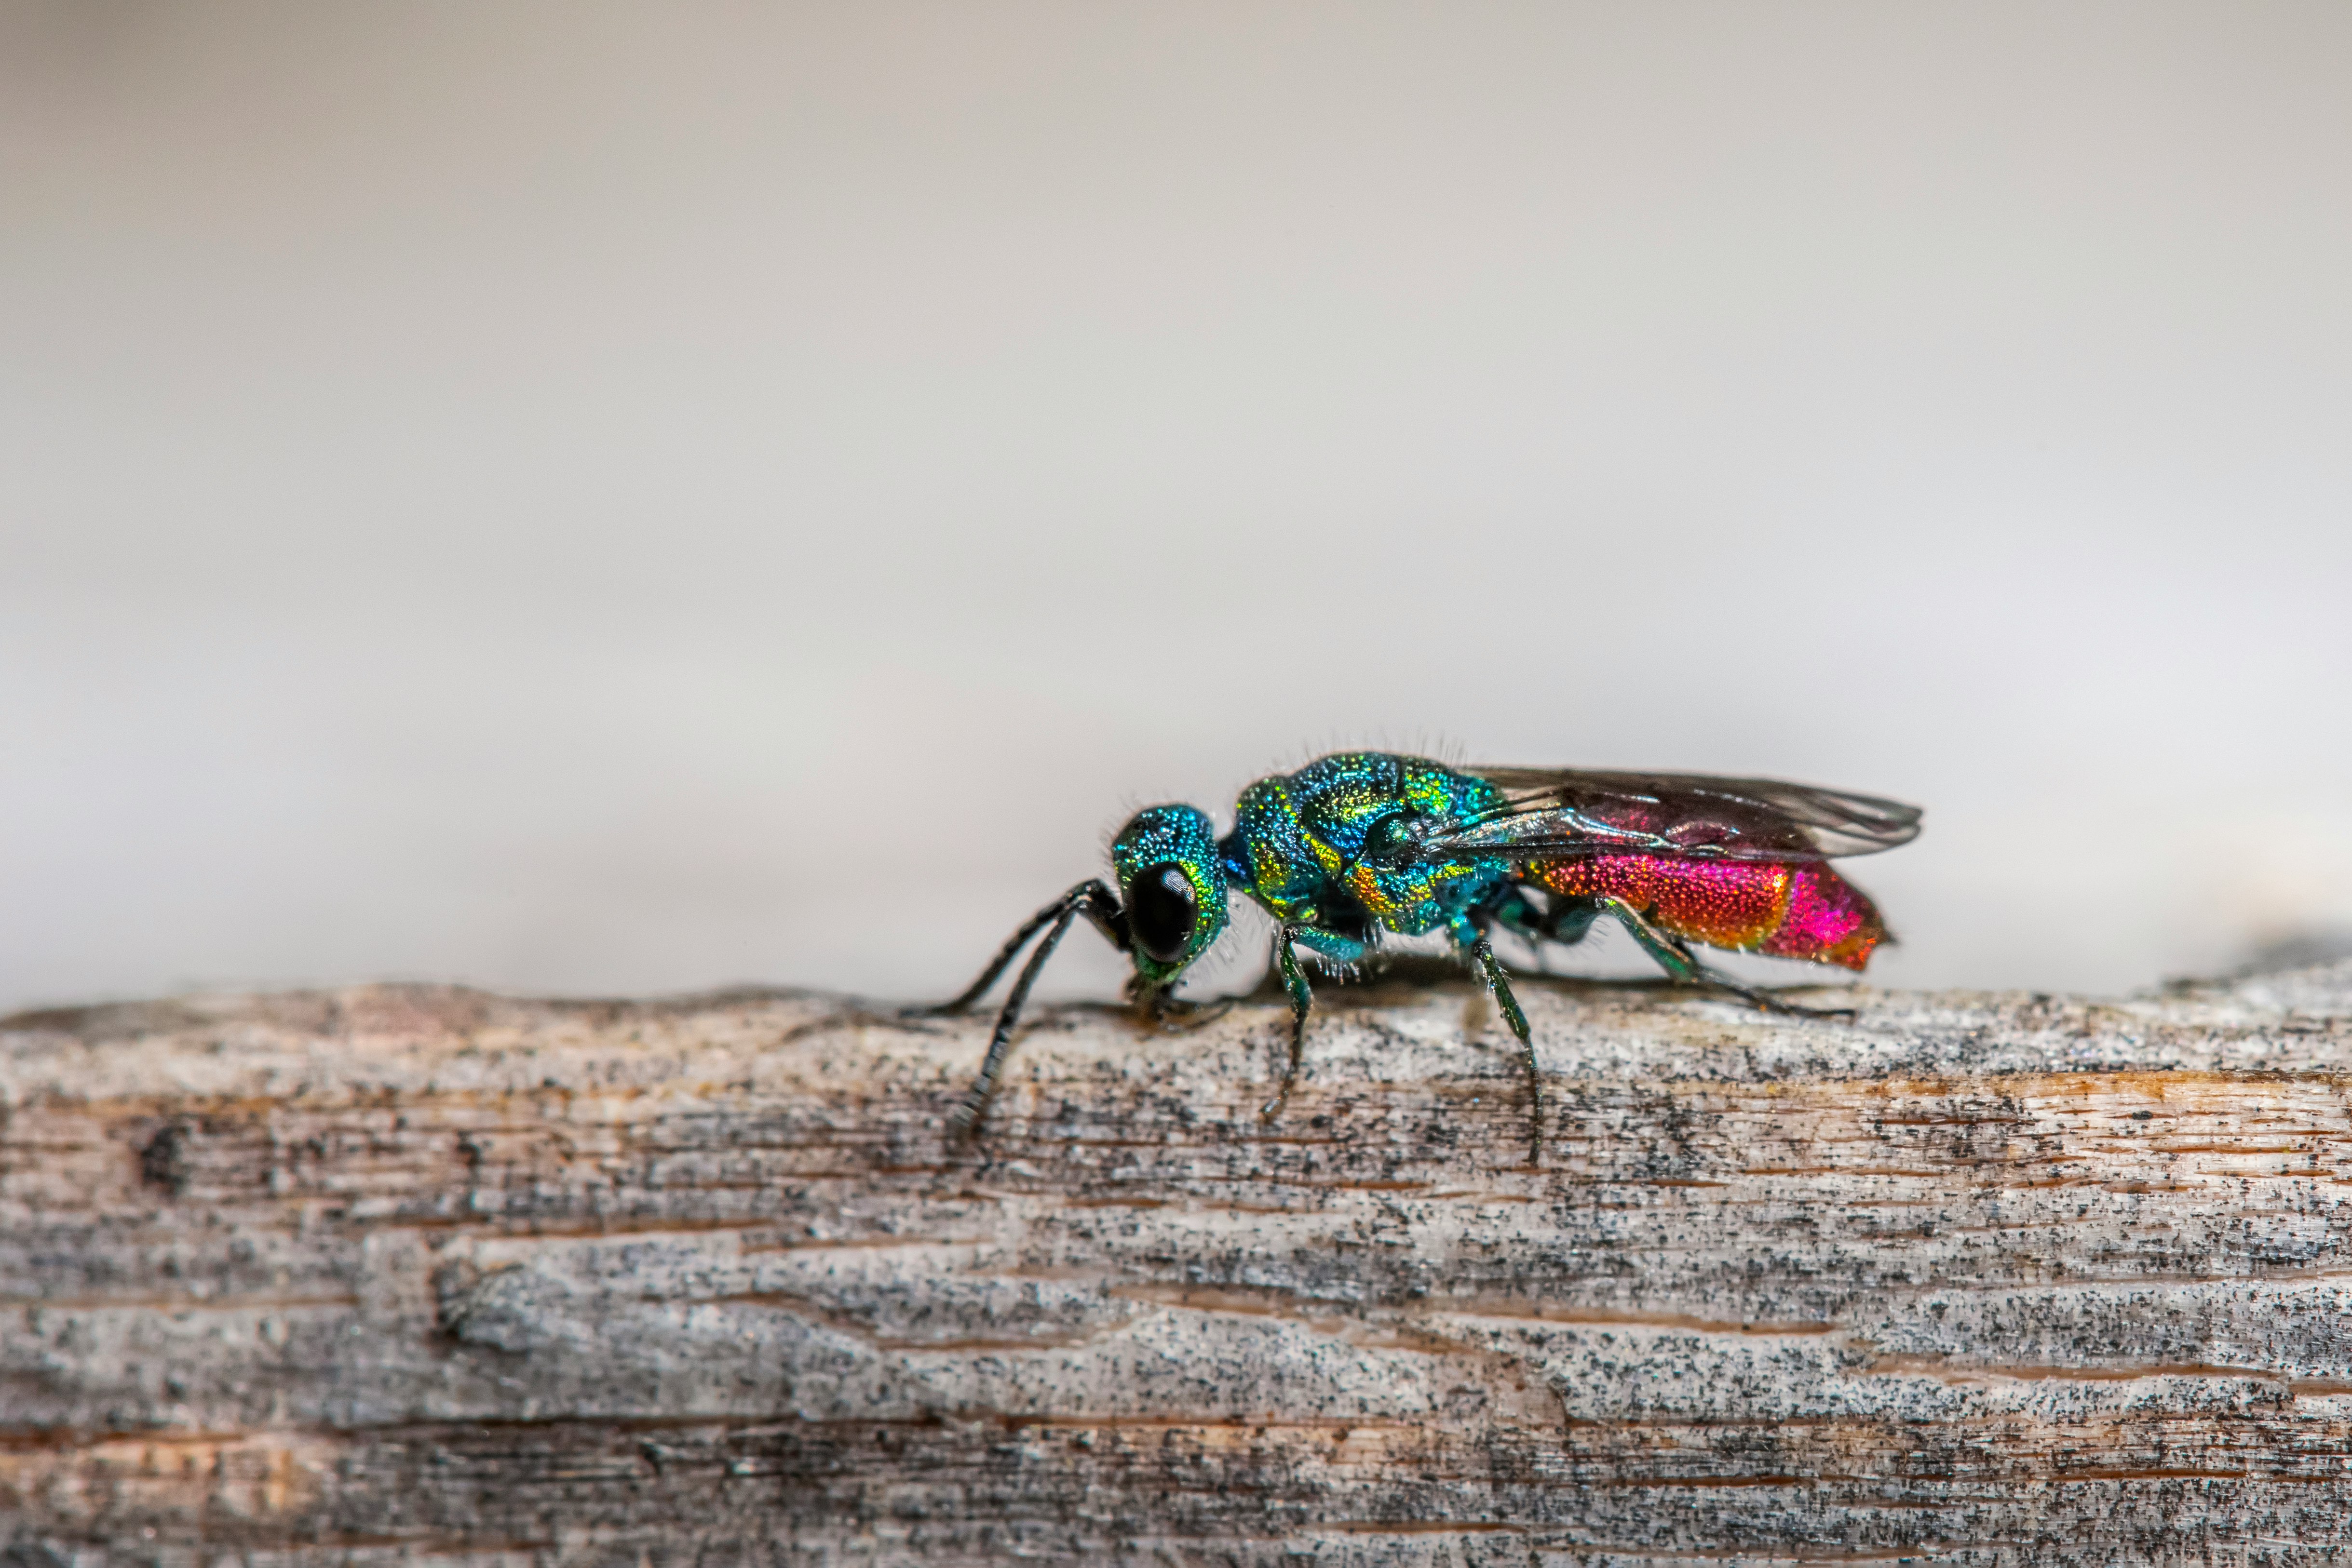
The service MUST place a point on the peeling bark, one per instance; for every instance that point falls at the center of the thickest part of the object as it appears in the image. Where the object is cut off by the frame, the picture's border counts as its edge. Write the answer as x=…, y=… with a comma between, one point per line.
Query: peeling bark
x=403, y=1272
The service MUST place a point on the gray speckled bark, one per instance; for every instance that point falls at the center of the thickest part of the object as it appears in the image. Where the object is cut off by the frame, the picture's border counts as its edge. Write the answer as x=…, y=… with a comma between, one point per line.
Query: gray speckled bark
x=362, y=1277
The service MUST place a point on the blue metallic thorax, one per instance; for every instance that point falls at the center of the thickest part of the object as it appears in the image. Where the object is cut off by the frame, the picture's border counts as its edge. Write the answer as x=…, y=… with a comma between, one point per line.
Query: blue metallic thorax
x=1328, y=850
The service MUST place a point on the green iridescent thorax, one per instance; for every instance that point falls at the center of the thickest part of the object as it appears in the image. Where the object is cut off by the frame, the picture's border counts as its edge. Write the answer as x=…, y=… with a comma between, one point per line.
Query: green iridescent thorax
x=1184, y=838
x=1328, y=848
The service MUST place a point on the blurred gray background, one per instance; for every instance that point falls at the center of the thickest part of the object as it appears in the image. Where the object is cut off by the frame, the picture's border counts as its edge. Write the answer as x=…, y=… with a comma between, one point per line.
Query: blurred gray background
x=607, y=499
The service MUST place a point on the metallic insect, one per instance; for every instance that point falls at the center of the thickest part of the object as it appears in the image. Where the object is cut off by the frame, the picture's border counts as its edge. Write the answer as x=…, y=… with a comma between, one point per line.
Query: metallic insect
x=1363, y=845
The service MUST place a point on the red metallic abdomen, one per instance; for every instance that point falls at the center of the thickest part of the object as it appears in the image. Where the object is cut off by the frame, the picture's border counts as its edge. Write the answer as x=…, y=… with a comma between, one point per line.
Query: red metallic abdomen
x=1794, y=910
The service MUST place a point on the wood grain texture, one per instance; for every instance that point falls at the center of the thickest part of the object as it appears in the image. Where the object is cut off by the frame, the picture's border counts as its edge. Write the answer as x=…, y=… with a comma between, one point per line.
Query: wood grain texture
x=400, y=1273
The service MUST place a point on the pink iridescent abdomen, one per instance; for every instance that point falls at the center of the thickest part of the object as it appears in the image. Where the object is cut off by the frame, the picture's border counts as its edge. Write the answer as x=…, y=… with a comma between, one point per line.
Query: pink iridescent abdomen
x=1793, y=910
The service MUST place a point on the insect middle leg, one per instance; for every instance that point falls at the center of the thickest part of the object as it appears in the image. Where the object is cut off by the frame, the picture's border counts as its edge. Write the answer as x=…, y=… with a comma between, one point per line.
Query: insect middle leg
x=1490, y=969
x=1674, y=956
x=1302, y=998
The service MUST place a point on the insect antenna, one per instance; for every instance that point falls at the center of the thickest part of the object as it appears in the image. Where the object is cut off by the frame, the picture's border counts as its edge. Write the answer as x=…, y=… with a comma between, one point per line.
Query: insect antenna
x=1093, y=899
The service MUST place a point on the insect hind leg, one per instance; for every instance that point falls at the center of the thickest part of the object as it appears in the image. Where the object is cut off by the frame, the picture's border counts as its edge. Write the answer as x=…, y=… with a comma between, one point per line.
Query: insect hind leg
x=1674, y=956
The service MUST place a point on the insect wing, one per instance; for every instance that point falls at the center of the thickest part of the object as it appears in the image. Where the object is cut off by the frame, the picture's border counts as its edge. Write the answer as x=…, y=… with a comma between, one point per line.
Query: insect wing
x=1551, y=814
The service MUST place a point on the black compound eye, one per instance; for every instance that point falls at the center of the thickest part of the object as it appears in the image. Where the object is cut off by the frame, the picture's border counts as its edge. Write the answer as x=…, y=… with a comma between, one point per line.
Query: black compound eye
x=1161, y=912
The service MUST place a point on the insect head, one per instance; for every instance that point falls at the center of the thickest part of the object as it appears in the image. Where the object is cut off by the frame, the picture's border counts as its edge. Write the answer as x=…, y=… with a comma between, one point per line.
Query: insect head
x=1166, y=862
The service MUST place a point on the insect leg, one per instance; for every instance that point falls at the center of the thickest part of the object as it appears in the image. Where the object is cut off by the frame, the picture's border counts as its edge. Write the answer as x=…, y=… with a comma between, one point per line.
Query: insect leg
x=1513, y=913
x=1484, y=952
x=1671, y=954
x=1092, y=898
x=1180, y=1015
x=1569, y=919
x=974, y=1104
x=1294, y=980
x=1675, y=956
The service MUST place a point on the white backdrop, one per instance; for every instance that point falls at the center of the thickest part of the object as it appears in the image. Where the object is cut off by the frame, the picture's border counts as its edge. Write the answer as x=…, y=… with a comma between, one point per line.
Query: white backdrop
x=584, y=499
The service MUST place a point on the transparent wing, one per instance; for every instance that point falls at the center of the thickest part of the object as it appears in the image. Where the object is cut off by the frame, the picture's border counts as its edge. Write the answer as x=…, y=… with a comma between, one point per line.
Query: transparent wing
x=1554, y=814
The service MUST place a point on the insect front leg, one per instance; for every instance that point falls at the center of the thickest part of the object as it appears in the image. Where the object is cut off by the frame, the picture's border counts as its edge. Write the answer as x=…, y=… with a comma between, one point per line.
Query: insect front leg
x=1294, y=981
x=1675, y=956
x=1179, y=1015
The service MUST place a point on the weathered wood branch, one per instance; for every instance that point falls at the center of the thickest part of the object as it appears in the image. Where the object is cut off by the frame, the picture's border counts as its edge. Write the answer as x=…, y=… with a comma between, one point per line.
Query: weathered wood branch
x=357, y=1277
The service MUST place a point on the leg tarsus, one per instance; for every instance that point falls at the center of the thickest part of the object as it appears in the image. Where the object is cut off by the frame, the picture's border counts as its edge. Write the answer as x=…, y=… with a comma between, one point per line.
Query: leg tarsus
x=1172, y=1012
x=1302, y=998
x=1179, y=1016
x=1491, y=970
x=1769, y=1003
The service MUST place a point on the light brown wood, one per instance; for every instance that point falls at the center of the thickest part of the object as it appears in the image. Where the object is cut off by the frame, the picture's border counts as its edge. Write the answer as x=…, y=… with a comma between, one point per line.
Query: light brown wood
x=400, y=1272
